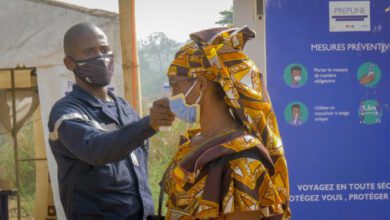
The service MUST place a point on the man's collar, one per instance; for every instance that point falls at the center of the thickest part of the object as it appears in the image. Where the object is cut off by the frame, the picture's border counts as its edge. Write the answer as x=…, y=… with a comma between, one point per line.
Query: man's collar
x=82, y=94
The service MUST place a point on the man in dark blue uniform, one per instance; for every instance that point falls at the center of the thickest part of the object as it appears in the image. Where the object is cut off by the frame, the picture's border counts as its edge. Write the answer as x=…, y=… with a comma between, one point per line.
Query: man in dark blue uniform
x=97, y=139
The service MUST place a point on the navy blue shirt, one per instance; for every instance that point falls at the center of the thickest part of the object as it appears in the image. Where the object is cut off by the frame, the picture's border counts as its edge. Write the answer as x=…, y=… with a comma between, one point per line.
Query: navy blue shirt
x=101, y=151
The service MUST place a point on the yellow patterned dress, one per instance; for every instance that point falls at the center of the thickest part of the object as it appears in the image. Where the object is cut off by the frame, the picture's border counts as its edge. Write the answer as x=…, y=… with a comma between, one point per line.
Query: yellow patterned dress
x=233, y=172
x=237, y=171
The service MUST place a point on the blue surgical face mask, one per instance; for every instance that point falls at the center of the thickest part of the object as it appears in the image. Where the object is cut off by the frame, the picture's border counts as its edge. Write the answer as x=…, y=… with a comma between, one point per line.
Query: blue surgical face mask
x=183, y=111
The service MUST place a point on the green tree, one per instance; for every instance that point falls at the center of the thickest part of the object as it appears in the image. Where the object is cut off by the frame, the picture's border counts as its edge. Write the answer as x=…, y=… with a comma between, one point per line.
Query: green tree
x=226, y=18
x=155, y=54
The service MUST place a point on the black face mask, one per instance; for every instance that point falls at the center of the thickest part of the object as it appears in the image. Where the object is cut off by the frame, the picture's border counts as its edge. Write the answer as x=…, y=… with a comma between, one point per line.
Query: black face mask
x=96, y=71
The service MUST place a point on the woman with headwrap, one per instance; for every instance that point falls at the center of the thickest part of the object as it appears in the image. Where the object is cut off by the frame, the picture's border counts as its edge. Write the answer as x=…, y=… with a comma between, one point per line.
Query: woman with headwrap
x=233, y=166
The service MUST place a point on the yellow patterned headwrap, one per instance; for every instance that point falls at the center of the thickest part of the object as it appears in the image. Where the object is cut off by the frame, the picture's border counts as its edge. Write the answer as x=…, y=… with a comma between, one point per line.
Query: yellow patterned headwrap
x=217, y=55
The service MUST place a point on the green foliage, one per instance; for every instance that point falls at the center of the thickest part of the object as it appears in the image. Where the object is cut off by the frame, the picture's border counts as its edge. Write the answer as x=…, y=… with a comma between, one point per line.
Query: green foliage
x=226, y=18
x=26, y=169
x=162, y=147
x=155, y=54
x=7, y=173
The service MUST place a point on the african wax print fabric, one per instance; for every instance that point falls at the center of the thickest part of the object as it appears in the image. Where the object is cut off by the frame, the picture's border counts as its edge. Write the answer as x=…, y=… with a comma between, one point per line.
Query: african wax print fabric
x=245, y=183
x=230, y=173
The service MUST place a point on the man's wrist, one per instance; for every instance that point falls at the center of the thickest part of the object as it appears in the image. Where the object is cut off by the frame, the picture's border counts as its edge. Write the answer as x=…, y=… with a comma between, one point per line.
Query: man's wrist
x=155, y=129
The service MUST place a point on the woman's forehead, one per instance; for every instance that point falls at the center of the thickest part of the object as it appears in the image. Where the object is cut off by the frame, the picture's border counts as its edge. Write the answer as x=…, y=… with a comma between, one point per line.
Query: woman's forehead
x=177, y=78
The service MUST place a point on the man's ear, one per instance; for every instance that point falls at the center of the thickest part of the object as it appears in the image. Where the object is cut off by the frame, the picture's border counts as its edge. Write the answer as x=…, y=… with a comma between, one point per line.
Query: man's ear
x=70, y=65
x=203, y=83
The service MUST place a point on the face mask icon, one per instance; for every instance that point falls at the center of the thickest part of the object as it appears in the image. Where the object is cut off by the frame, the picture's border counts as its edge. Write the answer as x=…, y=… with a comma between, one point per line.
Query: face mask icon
x=297, y=78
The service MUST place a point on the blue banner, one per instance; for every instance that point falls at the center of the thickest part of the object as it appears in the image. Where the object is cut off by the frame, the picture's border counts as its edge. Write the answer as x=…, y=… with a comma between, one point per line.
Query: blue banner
x=328, y=74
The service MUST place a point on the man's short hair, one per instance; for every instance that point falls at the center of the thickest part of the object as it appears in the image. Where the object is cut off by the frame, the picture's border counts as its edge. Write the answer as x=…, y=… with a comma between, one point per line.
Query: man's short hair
x=296, y=68
x=73, y=33
x=296, y=106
